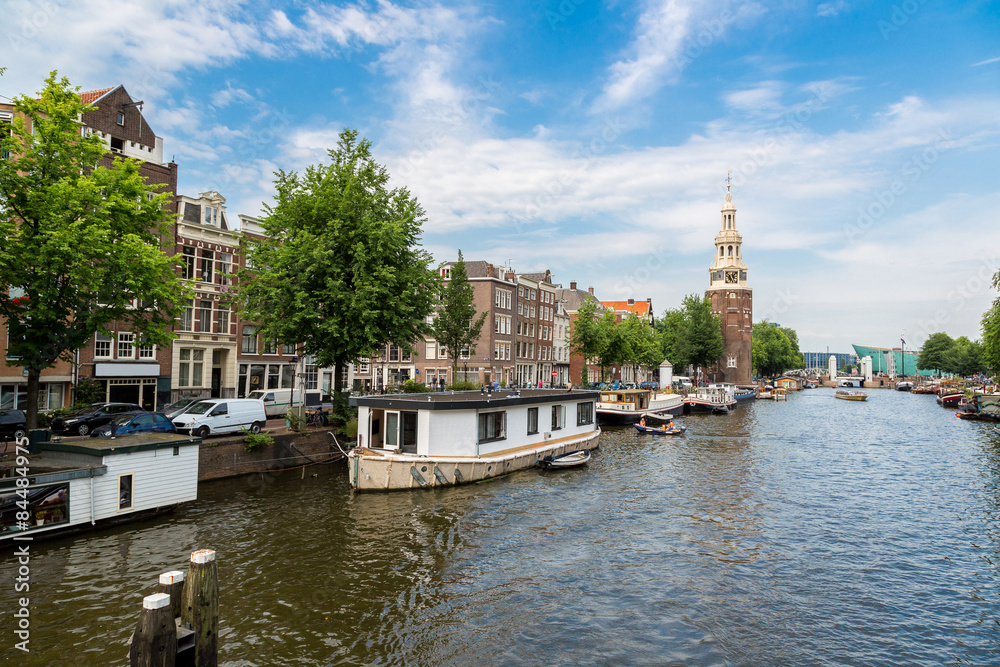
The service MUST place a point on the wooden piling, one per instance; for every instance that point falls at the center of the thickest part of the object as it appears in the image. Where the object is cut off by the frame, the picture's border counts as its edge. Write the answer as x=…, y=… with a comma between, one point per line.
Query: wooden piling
x=201, y=606
x=172, y=583
x=154, y=642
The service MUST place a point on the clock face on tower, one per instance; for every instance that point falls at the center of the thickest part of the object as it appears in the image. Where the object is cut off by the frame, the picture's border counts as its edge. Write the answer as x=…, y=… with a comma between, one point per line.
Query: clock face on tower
x=732, y=277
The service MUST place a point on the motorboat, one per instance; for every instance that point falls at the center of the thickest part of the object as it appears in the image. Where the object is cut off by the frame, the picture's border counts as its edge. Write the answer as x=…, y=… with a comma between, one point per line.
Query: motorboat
x=660, y=430
x=710, y=399
x=950, y=399
x=851, y=395
x=906, y=385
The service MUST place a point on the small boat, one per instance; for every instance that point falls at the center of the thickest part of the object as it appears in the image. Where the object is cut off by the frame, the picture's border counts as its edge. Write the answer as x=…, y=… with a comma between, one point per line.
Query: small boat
x=779, y=394
x=660, y=430
x=851, y=394
x=569, y=460
x=720, y=410
x=808, y=385
x=950, y=400
x=904, y=386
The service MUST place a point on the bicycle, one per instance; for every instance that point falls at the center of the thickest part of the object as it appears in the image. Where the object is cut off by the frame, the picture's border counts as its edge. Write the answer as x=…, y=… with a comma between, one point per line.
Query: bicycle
x=316, y=418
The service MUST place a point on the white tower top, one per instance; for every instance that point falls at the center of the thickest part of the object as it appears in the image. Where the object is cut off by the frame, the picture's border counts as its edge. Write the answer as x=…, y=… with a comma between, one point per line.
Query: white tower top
x=728, y=269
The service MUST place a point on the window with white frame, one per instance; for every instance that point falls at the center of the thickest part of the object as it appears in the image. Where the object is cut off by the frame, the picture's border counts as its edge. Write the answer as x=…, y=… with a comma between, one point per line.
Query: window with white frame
x=249, y=339
x=102, y=346
x=464, y=353
x=187, y=316
x=189, y=369
x=207, y=260
x=126, y=350
x=311, y=376
x=584, y=413
x=211, y=215
x=222, y=314
x=225, y=267
x=732, y=362
x=446, y=272
x=145, y=351
x=363, y=364
x=430, y=351
x=205, y=316
x=187, y=263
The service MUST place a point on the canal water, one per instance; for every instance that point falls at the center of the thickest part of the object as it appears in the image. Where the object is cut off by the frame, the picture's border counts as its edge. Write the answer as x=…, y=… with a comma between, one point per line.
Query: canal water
x=811, y=532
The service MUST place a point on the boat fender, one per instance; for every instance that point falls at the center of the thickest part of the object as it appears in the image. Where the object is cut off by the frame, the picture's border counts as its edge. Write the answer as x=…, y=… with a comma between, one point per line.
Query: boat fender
x=440, y=476
x=459, y=479
x=417, y=476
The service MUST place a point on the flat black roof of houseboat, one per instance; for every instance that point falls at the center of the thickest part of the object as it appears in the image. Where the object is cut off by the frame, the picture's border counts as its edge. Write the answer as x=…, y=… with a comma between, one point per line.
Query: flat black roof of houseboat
x=471, y=400
x=126, y=444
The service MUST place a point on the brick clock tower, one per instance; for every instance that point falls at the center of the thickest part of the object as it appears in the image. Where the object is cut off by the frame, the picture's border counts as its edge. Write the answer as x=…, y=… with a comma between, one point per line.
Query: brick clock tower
x=732, y=300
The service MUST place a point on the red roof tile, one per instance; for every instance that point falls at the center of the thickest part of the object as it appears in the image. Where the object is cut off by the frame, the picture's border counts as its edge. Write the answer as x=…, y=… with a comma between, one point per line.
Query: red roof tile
x=89, y=96
x=640, y=308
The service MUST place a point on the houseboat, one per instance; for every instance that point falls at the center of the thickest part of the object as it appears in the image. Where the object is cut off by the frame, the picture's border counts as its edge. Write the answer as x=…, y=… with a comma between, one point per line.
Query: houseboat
x=712, y=398
x=413, y=441
x=83, y=482
x=627, y=406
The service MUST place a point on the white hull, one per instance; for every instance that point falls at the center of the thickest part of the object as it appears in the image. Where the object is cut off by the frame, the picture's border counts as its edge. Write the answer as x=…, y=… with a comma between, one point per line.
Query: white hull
x=380, y=470
x=626, y=413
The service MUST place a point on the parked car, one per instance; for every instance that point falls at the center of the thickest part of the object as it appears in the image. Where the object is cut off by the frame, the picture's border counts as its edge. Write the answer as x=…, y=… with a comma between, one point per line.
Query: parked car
x=13, y=424
x=222, y=415
x=84, y=420
x=178, y=406
x=129, y=423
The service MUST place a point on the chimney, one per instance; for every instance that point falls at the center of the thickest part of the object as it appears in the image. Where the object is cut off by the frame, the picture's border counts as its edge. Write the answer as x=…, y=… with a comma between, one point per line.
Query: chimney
x=631, y=302
x=590, y=289
x=572, y=285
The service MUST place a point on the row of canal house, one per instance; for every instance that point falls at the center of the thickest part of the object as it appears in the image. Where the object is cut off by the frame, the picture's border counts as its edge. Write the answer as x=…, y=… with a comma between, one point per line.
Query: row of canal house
x=215, y=353
x=524, y=338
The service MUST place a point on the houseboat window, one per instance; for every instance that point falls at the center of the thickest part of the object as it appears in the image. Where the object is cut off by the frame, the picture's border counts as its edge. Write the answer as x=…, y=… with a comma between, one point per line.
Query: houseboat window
x=532, y=421
x=124, y=492
x=391, y=430
x=558, y=417
x=492, y=426
x=584, y=413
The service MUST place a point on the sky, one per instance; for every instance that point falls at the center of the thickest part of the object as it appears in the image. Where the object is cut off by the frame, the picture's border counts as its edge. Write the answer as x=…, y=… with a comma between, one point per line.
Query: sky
x=594, y=138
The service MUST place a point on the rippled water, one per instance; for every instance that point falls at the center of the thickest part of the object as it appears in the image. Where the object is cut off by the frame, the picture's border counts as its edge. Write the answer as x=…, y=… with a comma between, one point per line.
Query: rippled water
x=812, y=532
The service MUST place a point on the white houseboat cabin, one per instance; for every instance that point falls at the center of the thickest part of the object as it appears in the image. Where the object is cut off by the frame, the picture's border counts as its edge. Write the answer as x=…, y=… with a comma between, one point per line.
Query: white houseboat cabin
x=442, y=439
x=82, y=482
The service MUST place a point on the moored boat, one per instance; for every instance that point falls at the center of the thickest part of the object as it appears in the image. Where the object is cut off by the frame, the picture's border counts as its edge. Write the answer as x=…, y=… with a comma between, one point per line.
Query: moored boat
x=75, y=484
x=710, y=399
x=627, y=406
x=413, y=441
x=906, y=385
x=950, y=399
x=851, y=394
x=984, y=407
x=779, y=394
x=569, y=460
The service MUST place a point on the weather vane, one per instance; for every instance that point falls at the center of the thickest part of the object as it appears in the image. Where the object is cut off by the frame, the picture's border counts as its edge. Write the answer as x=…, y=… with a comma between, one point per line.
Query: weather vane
x=729, y=178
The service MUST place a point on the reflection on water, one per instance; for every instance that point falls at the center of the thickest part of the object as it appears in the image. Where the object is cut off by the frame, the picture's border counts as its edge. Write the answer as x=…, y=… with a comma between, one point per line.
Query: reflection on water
x=815, y=531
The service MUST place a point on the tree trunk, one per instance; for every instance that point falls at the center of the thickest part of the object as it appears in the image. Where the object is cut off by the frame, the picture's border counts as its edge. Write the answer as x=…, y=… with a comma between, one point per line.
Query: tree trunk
x=32, y=412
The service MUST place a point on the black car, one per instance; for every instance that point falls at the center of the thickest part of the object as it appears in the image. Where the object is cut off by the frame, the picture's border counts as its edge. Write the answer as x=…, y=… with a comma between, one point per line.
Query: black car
x=83, y=420
x=13, y=424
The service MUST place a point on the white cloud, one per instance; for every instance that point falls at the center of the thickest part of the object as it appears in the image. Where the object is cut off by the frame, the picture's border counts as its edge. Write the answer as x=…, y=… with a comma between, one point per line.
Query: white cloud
x=831, y=8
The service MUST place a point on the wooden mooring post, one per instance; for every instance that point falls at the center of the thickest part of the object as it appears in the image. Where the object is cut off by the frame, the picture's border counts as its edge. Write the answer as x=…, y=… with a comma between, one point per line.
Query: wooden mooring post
x=179, y=624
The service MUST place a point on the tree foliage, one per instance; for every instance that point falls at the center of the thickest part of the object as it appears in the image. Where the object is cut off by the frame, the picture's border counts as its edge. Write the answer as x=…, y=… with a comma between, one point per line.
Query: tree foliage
x=774, y=351
x=934, y=352
x=341, y=271
x=991, y=332
x=81, y=249
x=691, y=335
x=457, y=327
x=588, y=338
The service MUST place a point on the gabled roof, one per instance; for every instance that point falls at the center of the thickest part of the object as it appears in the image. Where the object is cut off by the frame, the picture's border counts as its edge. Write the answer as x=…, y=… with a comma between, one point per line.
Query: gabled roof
x=91, y=96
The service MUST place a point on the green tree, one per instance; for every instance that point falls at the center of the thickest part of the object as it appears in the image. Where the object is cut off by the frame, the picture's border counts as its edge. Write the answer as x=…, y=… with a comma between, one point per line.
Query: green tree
x=773, y=351
x=990, y=350
x=640, y=343
x=670, y=329
x=81, y=249
x=341, y=271
x=456, y=325
x=934, y=353
x=797, y=359
x=588, y=337
x=701, y=342
x=965, y=357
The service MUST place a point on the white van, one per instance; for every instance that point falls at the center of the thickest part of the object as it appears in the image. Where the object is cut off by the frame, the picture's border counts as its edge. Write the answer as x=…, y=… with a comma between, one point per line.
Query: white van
x=222, y=415
x=277, y=401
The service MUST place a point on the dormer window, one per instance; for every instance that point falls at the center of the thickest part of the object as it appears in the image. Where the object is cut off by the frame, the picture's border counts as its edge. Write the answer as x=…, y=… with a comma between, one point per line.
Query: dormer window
x=211, y=216
x=117, y=145
x=121, y=118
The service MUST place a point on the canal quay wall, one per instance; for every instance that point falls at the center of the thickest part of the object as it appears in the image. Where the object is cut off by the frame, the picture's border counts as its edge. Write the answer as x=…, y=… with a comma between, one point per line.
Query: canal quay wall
x=221, y=457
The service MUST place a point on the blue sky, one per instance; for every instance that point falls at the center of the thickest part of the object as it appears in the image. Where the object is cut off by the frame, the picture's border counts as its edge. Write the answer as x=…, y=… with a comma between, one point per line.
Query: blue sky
x=594, y=138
